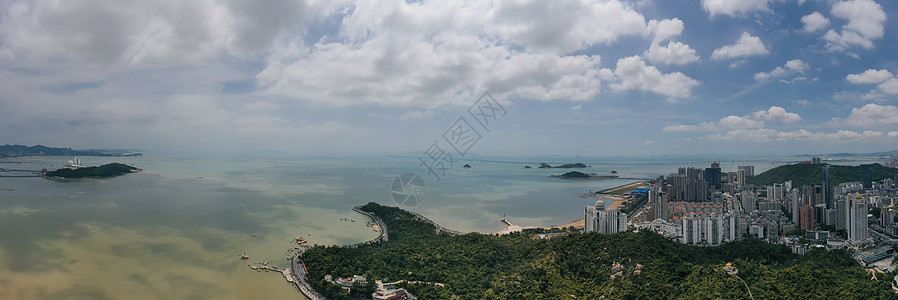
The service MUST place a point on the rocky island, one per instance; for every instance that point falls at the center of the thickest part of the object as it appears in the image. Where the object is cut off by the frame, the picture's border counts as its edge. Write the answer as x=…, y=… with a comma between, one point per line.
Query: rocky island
x=104, y=171
x=581, y=175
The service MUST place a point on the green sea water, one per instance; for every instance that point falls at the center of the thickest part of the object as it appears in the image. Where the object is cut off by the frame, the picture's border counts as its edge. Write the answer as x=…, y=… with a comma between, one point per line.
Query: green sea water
x=176, y=230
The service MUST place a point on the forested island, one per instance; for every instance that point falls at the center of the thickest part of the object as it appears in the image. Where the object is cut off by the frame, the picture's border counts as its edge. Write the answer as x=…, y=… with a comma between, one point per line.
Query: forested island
x=564, y=166
x=41, y=150
x=104, y=171
x=645, y=265
x=811, y=174
x=581, y=175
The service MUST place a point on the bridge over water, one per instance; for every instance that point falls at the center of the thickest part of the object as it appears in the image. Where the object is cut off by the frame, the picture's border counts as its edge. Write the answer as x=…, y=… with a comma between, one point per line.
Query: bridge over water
x=659, y=163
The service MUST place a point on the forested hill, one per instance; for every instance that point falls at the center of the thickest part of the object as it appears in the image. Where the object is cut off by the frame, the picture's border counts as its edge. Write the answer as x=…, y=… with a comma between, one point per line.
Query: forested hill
x=579, y=266
x=812, y=174
x=104, y=171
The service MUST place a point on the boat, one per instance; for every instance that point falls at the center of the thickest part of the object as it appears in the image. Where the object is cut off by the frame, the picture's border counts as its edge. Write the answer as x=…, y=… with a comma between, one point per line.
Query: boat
x=244, y=256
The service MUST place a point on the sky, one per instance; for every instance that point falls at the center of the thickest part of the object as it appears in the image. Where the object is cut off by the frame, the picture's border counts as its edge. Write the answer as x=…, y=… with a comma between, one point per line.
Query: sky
x=572, y=77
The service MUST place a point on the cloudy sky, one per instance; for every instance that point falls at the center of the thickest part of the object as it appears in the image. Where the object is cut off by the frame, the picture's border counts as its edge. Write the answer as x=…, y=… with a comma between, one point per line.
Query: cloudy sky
x=576, y=77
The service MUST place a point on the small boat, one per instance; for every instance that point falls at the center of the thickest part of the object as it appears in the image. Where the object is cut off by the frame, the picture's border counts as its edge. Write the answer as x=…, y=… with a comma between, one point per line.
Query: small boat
x=244, y=256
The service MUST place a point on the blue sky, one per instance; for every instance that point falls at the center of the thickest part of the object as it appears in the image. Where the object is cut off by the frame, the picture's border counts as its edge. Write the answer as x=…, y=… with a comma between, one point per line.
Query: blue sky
x=576, y=77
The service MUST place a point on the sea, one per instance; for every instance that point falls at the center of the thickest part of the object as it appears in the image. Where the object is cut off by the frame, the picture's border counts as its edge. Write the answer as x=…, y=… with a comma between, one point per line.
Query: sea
x=177, y=229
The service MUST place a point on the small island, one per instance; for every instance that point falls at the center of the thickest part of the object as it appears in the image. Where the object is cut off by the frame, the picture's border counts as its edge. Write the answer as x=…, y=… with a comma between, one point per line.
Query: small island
x=564, y=166
x=526, y=167
x=466, y=166
x=104, y=171
x=581, y=175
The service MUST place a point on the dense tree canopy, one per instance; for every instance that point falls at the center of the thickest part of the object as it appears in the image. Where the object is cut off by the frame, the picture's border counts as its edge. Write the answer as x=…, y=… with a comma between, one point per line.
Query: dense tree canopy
x=518, y=266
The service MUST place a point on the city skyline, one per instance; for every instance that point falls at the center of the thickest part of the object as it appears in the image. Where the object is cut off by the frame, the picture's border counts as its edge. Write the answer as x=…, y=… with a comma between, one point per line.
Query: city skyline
x=390, y=77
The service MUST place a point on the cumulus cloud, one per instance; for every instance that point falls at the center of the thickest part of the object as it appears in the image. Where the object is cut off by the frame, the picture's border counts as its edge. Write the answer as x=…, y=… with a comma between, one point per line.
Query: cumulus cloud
x=865, y=24
x=674, y=53
x=870, y=76
x=747, y=45
x=739, y=122
x=792, y=66
x=889, y=86
x=766, y=135
x=777, y=114
x=549, y=25
x=874, y=114
x=734, y=7
x=633, y=73
x=665, y=29
x=814, y=21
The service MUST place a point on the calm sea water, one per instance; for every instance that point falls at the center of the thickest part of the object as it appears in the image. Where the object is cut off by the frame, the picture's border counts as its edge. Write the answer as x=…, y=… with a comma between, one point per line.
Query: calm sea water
x=176, y=230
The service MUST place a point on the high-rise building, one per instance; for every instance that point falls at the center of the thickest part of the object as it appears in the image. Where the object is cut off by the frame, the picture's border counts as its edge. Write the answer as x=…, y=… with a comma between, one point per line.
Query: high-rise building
x=841, y=213
x=740, y=177
x=749, y=201
x=796, y=211
x=659, y=204
x=712, y=175
x=857, y=218
x=598, y=219
x=589, y=218
x=807, y=218
x=828, y=187
x=886, y=217
x=749, y=170
x=820, y=213
x=867, y=176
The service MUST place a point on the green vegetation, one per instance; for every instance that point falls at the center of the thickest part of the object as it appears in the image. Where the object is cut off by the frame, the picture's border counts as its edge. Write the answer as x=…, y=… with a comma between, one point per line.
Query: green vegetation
x=812, y=174
x=104, y=171
x=638, y=201
x=517, y=266
x=581, y=175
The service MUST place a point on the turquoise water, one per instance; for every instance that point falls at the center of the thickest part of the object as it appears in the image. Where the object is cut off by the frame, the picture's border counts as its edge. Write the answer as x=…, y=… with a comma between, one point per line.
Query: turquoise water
x=175, y=231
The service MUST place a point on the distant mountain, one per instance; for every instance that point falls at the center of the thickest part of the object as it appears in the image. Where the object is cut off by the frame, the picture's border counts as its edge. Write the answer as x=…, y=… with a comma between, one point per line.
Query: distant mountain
x=845, y=154
x=812, y=174
x=41, y=150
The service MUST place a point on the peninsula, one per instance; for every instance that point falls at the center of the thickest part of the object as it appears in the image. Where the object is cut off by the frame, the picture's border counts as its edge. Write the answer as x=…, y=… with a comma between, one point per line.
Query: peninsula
x=104, y=171
x=631, y=265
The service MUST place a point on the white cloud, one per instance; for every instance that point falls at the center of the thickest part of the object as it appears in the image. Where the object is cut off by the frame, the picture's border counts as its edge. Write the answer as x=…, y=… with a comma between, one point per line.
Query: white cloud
x=766, y=135
x=543, y=25
x=665, y=29
x=747, y=45
x=889, y=86
x=865, y=24
x=797, y=65
x=814, y=21
x=792, y=66
x=803, y=102
x=873, y=114
x=633, y=73
x=734, y=7
x=893, y=134
x=704, y=126
x=577, y=107
x=675, y=53
x=777, y=114
x=870, y=76
x=739, y=122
